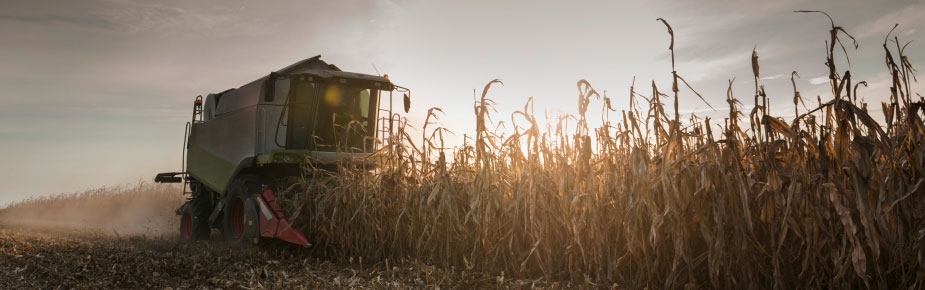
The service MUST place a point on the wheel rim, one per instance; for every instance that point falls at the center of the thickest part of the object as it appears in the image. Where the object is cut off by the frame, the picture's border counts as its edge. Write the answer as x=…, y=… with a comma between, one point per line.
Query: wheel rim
x=236, y=218
x=186, y=225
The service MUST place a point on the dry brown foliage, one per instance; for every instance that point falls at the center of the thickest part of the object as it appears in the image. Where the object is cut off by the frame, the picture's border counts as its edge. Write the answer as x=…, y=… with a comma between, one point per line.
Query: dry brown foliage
x=829, y=199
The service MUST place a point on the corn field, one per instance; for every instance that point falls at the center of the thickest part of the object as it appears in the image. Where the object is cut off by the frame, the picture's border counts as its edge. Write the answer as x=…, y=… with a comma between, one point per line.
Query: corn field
x=831, y=198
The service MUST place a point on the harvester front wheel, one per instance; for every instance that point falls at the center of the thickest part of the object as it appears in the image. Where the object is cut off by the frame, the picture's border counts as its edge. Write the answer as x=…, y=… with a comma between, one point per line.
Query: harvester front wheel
x=241, y=225
x=193, y=221
x=186, y=224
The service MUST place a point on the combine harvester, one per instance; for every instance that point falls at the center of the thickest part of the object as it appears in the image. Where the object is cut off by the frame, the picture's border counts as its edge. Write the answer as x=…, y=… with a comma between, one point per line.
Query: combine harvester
x=244, y=145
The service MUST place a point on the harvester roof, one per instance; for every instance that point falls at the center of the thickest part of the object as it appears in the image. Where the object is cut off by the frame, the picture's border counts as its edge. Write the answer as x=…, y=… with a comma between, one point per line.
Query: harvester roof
x=314, y=62
x=248, y=94
x=315, y=66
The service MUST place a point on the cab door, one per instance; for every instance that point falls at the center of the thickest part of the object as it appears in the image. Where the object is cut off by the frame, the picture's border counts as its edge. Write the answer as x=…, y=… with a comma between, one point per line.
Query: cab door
x=301, y=122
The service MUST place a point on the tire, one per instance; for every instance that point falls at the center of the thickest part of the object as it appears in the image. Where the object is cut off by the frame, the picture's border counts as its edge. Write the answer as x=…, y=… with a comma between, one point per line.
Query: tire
x=240, y=223
x=201, y=207
x=186, y=224
x=194, y=225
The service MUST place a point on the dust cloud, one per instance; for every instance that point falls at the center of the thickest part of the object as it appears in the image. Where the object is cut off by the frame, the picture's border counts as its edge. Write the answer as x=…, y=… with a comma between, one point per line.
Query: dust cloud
x=145, y=209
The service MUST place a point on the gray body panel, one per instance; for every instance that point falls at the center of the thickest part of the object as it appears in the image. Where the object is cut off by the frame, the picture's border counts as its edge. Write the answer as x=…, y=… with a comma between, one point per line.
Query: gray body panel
x=240, y=124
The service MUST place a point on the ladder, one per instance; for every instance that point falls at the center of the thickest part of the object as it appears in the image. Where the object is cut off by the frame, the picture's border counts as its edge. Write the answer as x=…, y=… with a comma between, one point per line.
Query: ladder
x=197, y=118
x=197, y=110
x=183, y=176
x=384, y=123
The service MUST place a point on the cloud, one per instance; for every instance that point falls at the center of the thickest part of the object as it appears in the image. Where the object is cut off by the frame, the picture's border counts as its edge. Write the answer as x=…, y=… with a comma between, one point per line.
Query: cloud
x=54, y=19
x=135, y=17
x=712, y=29
x=11, y=129
x=774, y=77
x=819, y=80
x=906, y=16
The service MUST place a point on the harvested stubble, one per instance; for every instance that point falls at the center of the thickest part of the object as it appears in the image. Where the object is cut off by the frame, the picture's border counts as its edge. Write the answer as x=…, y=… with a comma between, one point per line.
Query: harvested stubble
x=33, y=258
x=831, y=199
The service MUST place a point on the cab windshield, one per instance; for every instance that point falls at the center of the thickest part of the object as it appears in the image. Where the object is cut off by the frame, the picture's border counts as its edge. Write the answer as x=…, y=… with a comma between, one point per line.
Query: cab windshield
x=331, y=117
x=343, y=118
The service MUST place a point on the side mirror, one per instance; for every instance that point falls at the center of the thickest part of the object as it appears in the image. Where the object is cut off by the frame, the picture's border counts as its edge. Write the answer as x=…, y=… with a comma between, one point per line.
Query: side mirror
x=407, y=102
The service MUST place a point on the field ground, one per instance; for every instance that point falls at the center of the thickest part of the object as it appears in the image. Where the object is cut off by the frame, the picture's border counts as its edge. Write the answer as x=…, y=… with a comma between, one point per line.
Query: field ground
x=71, y=259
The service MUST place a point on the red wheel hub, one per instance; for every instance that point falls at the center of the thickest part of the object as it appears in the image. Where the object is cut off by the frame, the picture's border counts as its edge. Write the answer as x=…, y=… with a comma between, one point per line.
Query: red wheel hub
x=236, y=217
x=186, y=225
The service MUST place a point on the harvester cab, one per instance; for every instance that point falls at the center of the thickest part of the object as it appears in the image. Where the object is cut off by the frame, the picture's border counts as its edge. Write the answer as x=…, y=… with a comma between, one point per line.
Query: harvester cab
x=242, y=145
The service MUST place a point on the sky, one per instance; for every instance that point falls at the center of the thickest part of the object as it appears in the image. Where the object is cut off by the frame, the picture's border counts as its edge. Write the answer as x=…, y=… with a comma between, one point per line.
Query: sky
x=97, y=92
